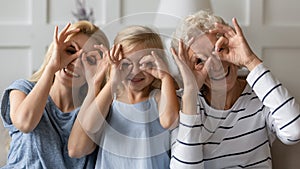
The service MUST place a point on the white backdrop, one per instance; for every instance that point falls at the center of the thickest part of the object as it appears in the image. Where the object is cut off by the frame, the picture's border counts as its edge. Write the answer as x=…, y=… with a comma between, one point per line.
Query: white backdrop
x=271, y=26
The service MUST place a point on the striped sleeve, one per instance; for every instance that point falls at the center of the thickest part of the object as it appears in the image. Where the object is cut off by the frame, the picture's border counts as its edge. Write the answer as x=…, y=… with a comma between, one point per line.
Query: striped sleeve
x=284, y=114
x=186, y=152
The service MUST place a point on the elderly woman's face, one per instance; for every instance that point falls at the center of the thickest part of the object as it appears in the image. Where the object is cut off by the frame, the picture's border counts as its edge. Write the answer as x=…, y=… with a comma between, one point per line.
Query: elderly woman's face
x=220, y=73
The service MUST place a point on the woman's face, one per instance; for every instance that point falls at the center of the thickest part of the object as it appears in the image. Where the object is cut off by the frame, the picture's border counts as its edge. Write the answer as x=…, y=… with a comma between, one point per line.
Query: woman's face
x=221, y=73
x=73, y=74
x=136, y=79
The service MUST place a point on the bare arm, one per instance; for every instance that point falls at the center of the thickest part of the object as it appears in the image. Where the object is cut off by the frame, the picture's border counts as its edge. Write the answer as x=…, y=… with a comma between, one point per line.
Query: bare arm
x=190, y=83
x=25, y=112
x=87, y=128
x=168, y=103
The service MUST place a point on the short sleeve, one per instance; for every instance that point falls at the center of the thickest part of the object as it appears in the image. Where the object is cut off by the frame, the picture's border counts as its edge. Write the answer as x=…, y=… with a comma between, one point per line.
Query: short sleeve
x=22, y=85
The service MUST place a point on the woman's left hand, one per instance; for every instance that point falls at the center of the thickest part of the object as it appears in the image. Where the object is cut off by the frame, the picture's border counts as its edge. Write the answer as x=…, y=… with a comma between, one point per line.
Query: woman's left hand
x=233, y=47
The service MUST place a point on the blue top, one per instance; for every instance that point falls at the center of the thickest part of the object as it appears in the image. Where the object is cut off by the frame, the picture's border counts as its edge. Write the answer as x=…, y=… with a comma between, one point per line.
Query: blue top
x=133, y=138
x=46, y=146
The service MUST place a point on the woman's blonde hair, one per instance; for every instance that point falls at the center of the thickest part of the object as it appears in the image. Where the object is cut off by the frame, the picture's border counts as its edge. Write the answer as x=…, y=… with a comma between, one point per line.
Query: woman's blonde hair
x=194, y=25
x=137, y=35
x=86, y=28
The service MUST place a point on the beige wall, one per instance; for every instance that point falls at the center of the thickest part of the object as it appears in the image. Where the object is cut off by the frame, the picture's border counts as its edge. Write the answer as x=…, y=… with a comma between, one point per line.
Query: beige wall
x=271, y=26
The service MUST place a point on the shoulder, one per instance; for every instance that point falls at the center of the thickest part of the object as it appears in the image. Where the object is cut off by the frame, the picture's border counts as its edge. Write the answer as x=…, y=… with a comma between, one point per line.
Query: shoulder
x=22, y=85
x=155, y=93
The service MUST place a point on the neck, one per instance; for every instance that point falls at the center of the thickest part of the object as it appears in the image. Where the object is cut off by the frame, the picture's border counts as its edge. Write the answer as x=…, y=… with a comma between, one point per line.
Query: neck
x=132, y=97
x=62, y=97
x=225, y=99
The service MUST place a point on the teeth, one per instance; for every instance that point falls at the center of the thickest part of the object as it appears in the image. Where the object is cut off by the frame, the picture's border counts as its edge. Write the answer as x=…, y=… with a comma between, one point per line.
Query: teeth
x=71, y=73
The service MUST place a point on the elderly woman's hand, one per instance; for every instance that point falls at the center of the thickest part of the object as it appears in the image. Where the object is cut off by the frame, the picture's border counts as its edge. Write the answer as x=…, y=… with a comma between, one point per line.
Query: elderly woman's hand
x=233, y=47
x=187, y=67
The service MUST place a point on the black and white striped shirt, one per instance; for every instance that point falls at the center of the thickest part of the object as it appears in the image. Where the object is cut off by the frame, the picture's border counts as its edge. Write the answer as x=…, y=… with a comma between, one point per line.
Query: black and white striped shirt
x=240, y=137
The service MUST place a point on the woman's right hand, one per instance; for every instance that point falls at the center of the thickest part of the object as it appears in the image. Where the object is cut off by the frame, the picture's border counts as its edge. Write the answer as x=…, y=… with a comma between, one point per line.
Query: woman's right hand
x=61, y=56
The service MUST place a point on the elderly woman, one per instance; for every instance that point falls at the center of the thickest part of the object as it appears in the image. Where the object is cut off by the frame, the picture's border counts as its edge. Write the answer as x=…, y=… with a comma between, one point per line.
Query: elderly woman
x=226, y=121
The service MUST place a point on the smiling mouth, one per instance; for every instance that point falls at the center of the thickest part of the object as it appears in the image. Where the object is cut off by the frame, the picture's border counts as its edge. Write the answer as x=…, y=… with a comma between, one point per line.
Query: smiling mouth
x=71, y=73
x=135, y=80
x=221, y=76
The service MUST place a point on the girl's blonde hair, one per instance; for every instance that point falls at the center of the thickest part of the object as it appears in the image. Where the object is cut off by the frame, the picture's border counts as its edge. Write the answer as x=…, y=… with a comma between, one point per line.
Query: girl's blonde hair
x=86, y=28
x=137, y=35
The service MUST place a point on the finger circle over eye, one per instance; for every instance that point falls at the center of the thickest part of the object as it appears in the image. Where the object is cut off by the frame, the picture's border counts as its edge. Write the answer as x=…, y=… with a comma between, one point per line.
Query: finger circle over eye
x=219, y=35
x=91, y=60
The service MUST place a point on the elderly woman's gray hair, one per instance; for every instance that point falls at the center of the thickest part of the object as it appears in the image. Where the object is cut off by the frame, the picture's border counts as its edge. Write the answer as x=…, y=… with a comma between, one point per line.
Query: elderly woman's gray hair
x=194, y=25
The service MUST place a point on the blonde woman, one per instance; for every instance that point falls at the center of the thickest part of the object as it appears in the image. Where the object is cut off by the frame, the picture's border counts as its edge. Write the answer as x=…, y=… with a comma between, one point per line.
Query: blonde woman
x=40, y=112
x=131, y=117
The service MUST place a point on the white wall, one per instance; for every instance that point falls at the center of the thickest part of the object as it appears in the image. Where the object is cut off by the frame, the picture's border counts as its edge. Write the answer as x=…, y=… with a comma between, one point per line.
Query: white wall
x=271, y=26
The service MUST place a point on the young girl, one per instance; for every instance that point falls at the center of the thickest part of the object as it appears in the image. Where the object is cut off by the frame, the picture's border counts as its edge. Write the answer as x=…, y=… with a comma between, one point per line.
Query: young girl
x=138, y=114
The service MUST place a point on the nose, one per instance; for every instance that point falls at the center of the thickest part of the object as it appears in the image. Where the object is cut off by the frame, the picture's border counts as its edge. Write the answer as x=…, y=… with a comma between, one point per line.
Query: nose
x=76, y=62
x=135, y=69
x=216, y=64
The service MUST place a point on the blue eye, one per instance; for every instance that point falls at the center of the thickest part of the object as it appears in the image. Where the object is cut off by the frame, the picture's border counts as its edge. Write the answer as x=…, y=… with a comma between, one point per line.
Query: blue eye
x=148, y=64
x=125, y=65
x=91, y=60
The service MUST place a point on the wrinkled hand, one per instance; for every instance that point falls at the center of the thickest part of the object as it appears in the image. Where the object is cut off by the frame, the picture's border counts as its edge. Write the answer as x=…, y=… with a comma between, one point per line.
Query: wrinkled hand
x=154, y=65
x=61, y=57
x=232, y=46
x=193, y=73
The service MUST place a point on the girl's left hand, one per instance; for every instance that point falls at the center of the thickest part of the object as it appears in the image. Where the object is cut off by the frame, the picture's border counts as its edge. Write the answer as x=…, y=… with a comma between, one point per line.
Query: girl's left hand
x=154, y=65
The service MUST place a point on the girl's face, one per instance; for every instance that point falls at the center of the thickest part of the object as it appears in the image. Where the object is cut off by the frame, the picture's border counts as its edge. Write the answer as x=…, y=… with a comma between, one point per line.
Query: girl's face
x=221, y=73
x=136, y=79
x=73, y=74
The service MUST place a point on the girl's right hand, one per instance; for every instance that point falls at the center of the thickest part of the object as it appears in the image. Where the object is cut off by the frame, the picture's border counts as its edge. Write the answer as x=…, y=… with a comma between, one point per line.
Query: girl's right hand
x=120, y=67
x=61, y=56
x=95, y=67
